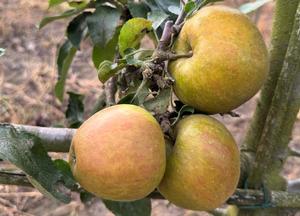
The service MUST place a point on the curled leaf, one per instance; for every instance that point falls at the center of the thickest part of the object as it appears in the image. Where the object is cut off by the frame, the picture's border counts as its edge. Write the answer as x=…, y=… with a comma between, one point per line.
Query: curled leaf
x=108, y=69
x=132, y=33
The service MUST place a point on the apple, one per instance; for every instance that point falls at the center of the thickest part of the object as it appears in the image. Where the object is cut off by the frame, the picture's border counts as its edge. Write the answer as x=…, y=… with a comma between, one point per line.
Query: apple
x=229, y=63
x=119, y=153
x=204, y=167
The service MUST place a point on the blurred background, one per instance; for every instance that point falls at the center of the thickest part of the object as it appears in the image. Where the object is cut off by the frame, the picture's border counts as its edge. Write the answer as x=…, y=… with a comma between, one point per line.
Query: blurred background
x=27, y=78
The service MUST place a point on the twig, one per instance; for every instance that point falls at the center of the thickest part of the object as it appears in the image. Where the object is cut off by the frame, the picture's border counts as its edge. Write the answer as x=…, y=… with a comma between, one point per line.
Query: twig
x=181, y=16
x=241, y=197
x=16, y=194
x=279, y=199
x=166, y=36
x=294, y=153
x=294, y=186
x=110, y=91
x=14, y=179
x=250, y=198
x=53, y=139
x=178, y=56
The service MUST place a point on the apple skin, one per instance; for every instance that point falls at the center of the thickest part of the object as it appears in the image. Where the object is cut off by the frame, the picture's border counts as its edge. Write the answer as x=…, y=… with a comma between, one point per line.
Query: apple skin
x=119, y=153
x=229, y=64
x=204, y=167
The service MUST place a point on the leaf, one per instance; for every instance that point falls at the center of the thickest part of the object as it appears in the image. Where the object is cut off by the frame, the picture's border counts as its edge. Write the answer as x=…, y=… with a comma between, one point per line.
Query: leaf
x=138, y=9
x=64, y=167
x=2, y=52
x=252, y=6
x=151, y=4
x=55, y=2
x=74, y=113
x=184, y=110
x=141, y=93
x=107, y=52
x=26, y=151
x=157, y=17
x=160, y=103
x=76, y=29
x=107, y=69
x=136, y=208
x=102, y=24
x=78, y=4
x=199, y=5
x=174, y=9
x=189, y=6
x=132, y=32
x=131, y=59
x=166, y=4
x=64, y=59
x=126, y=99
x=49, y=19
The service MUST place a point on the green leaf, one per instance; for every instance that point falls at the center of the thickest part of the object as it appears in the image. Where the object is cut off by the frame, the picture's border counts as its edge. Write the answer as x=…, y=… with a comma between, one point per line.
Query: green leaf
x=74, y=113
x=78, y=4
x=167, y=4
x=102, y=24
x=151, y=4
x=138, y=9
x=132, y=32
x=107, y=69
x=157, y=17
x=199, y=5
x=107, y=52
x=252, y=6
x=189, y=6
x=64, y=59
x=185, y=109
x=160, y=103
x=55, y=2
x=49, y=19
x=141, y=93
x=26, y=151
x=131, y=58
x=174, y=9
x=77, y=29
x=2, y=52
x=65, y=168
x=127, y=99
x=136, y=208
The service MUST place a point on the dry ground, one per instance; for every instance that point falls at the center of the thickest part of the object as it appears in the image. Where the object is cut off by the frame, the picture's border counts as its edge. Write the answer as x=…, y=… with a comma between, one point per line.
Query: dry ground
x=27, y=79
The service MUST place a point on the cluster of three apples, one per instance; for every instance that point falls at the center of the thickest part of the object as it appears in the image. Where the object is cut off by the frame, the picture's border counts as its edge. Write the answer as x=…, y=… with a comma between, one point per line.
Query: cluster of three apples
x=120, y=152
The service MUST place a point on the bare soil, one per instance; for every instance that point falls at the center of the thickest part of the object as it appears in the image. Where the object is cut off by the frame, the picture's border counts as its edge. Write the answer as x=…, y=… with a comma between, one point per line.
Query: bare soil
x=27, y=78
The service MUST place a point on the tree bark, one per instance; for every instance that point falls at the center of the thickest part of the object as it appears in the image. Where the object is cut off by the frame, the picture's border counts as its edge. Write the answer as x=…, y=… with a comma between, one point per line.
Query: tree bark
x=277, y=114
x=281, y=32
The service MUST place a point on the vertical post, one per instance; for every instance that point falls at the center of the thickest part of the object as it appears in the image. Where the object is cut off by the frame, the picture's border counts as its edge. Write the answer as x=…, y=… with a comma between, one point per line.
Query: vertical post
x=272, y=144
x=281, y=31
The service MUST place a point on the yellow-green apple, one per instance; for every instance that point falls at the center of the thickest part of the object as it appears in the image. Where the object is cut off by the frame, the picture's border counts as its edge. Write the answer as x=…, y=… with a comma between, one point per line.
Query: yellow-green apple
x=229, y=62
x=204, y=166
x=119, y=153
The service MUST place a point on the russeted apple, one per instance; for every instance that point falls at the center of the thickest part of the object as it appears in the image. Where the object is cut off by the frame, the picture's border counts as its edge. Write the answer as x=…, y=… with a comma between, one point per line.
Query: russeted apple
x=204, y=166
x=229, y=62
x=119, y=153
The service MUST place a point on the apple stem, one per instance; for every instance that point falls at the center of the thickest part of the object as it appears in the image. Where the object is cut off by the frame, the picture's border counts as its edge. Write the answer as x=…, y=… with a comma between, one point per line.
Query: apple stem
x=172, y=56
